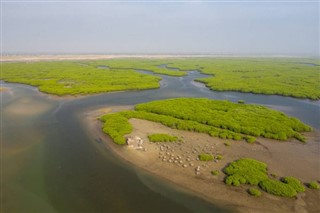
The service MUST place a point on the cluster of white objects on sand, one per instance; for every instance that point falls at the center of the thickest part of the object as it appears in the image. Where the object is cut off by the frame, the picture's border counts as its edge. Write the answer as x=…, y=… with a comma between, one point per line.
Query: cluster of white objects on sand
x=177, y=155
x=135, y=143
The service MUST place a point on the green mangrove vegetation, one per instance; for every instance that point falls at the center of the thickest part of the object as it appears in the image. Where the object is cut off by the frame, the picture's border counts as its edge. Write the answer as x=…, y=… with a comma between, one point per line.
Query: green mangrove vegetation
x=294, y=183
x=278, y=76
x=116, y=126
x=253, y=172
x=313, y=185
x=218, y=157
x=221, y=119
x=152, y=65
x=215, y=172
x=71, y=78
x=162, y=138
x=245, y=171
x=278, y=188
x=235, y=119
x=205, y=157
x=271, y=76
x=254, y=192
x=227, y=143
x=174, y=123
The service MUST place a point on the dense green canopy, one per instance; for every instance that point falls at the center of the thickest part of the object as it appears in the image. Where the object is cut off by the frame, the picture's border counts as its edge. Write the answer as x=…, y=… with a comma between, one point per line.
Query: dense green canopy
x=253, y=172
x=222, y=119
x=72, y=78
x=294, y=77
x=280, y=76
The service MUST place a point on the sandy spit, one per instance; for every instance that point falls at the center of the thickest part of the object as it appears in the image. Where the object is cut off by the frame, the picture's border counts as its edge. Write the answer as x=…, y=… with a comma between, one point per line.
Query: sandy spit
x=283, y=158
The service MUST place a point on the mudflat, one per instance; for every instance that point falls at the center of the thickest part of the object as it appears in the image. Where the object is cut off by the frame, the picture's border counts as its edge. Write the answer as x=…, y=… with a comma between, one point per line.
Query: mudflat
x=177, y=162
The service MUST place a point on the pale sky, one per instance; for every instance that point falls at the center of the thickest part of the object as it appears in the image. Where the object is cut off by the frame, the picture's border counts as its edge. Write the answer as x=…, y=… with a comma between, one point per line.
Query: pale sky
x=240, y=28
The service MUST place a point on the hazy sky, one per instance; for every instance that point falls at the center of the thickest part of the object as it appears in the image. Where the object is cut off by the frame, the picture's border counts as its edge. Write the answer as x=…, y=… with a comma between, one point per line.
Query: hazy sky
x=161, y=27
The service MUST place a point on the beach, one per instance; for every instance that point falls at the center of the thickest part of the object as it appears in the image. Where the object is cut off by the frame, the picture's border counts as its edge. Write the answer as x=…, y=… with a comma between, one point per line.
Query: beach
x=290, y=158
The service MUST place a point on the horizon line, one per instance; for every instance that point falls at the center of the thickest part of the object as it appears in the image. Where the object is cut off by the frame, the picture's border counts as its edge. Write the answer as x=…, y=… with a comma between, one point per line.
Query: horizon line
x=164, y=54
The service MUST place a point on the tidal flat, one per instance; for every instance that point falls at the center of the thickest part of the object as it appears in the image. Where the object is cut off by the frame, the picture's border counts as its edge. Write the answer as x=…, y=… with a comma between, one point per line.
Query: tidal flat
x=178, y=163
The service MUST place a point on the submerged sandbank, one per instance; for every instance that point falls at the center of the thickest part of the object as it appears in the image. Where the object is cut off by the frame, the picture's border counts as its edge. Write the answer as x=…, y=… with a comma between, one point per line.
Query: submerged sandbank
x=283, y=159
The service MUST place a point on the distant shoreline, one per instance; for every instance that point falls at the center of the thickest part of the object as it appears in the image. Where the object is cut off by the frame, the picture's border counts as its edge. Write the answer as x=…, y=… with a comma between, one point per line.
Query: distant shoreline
x=62, y=57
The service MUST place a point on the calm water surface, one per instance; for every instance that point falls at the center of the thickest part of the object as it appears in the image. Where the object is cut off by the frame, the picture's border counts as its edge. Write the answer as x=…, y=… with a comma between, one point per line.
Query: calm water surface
x=50, y=163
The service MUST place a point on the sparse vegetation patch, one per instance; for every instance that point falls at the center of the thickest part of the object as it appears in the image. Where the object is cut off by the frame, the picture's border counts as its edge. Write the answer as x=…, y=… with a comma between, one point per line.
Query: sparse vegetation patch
x=162, y=138
x=205, y=157
x=314, y=185
x=215, y=172
x=254, y=192
x=219, y=157
x=228, y=143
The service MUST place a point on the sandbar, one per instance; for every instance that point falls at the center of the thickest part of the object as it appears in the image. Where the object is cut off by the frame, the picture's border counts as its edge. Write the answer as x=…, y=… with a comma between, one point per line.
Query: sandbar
x=290, y=158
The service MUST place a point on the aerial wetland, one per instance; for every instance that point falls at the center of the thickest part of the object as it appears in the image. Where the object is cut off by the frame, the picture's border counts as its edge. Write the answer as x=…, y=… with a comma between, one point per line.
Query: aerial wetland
x=161, y=135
